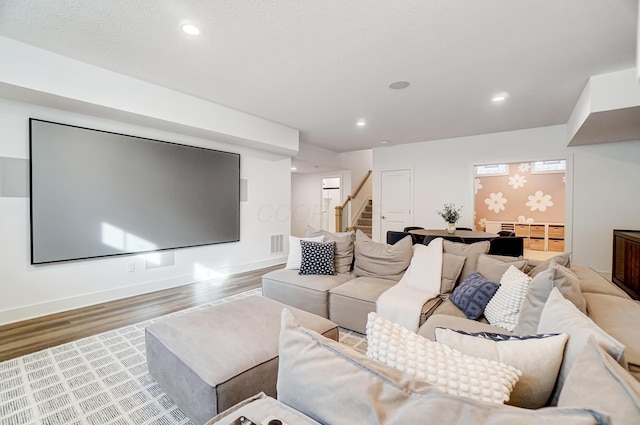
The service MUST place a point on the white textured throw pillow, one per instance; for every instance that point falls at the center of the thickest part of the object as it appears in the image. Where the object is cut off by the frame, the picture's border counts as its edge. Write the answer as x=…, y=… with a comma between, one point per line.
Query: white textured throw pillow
x=295, y=251
x=504, y=308
x=538, y=357
x=448, y=369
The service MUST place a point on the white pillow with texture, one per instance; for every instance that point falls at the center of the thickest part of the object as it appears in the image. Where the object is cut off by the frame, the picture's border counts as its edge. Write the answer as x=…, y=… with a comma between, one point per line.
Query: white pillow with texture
x=448, y=369
x=561, y=315
x=503, y=309
x=295, y=251
x=538, y=357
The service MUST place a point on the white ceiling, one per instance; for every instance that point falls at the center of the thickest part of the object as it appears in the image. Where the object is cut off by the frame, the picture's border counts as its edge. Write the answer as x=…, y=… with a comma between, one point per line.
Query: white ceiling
x=321, y=65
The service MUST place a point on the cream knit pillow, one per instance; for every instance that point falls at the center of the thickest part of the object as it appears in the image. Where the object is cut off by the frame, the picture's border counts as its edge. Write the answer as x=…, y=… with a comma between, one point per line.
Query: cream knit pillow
x=448, y=369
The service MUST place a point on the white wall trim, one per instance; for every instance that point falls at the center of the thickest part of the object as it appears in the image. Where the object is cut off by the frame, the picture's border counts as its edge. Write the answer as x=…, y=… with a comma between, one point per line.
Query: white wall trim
x=64, y=304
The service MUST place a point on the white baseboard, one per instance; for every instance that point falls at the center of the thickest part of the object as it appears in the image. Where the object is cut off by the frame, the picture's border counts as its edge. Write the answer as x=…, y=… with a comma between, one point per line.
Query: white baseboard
x=64, y=304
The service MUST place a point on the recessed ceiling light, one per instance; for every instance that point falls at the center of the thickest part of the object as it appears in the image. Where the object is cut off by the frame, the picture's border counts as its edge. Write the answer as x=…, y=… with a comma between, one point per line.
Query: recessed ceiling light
x=293, y=168
x=190, y=29
x=361, y=123
x=384, y=142
x=399, y=85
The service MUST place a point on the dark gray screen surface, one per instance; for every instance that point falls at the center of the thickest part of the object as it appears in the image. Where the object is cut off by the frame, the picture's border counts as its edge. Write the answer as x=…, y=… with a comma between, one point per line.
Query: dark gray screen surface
x=95, y=193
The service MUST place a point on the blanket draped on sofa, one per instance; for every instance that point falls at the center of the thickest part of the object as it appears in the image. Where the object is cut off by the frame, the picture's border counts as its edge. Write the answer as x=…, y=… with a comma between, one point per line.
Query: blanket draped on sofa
x=402, y=303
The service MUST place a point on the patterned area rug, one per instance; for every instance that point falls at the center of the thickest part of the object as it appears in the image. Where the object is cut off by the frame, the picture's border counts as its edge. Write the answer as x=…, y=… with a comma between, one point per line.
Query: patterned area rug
x=102, y=379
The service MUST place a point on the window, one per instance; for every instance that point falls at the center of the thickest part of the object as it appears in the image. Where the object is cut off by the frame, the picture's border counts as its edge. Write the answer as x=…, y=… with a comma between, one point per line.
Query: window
x=492, y=170
x=554, y=166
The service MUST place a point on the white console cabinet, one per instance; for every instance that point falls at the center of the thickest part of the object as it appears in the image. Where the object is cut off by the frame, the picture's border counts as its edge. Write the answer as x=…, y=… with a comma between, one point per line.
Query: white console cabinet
x=537, y=236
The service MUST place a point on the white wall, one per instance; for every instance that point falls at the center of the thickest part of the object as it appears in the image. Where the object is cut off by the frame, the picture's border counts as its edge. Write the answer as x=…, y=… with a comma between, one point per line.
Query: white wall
x=306, y=188
x=306, y=199
x=29, y=291
x=73, y=85
x=602, y=182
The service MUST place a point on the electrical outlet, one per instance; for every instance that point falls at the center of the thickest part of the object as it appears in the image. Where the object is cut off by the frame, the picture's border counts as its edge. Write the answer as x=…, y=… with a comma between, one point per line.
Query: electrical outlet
x=131, y=267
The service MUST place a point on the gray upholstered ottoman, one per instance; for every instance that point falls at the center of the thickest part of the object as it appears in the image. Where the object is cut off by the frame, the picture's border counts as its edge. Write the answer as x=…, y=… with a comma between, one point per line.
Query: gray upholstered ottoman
x=209, y=360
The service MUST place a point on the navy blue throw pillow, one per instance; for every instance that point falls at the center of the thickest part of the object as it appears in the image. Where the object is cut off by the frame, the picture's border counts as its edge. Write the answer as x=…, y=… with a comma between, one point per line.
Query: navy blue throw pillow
x=473, y=295
x=317, y=257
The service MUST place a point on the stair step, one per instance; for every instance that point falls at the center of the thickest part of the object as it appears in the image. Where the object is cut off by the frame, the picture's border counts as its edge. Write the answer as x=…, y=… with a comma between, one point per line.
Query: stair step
x=364, y=229
x=366, y=214
x=365, y=222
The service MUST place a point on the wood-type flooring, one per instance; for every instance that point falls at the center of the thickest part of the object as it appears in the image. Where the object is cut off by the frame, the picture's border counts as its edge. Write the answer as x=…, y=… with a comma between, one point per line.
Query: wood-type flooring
x=20, y=338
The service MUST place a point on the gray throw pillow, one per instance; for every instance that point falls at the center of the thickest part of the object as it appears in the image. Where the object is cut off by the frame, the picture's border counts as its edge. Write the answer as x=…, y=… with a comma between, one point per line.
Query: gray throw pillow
x=538, y=357
x=560, y=315
x=563, y=259
x=539, y=289
x=531, y=309
x=381, y=260
x=343, y=256
x=451, y=268
x=597, y=382
x=493, y=267
x=470, y=251
x=315, y=375
x=473, y=295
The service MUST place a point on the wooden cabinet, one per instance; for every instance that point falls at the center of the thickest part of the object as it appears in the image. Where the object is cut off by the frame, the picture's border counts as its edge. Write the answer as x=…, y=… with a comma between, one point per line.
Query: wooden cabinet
x=537, y=236
x=626, y=261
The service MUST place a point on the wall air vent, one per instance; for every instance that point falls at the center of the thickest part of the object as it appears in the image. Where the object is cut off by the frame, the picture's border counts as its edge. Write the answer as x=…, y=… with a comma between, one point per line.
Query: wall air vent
x=276, y=245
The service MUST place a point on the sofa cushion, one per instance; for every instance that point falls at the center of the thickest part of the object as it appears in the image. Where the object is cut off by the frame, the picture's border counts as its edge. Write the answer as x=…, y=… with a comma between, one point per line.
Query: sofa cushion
x=533, y=303
x=539, y=290
x=470, y=251
x=364, y=288
x=450, y=370
x=343, y=258
x=569, y=286
x=594, y=283
x=308, y=293
x=563, y=259
x=560, y=315
x=438, y=320
x=376, y=393
x=381, y=260
x=504, y=308
x=320, y=283
x=597, y=382
x=538, y=357
x=473, y=294
x=451, y=269
x=492, y=267
x=618, y=317
x=295, y=251
x=317, y=258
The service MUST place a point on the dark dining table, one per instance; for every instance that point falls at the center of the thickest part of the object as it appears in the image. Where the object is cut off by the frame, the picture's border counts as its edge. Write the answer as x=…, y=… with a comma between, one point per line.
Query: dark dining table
x=467, y=236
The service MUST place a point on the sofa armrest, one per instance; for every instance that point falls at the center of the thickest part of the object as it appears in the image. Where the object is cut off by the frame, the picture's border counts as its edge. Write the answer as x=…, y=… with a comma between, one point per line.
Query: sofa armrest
x=427, y=330
x=429, y=308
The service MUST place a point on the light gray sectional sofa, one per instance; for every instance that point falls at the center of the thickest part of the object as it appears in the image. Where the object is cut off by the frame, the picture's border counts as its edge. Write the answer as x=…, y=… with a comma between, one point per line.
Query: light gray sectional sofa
x=348, y=296
x=595, y=364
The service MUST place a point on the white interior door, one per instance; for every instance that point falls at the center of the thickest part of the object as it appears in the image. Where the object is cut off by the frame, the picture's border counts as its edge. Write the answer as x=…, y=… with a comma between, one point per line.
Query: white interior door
x=395, y=201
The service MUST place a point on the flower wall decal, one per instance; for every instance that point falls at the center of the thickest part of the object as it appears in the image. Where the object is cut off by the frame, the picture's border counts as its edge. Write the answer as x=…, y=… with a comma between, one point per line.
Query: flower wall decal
x=495, y=202
x=517, y=181
x=516, y=185
x=539, y=201
x=482, y=223
x=524, y=167
x=477, y=185
x=523, y=219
